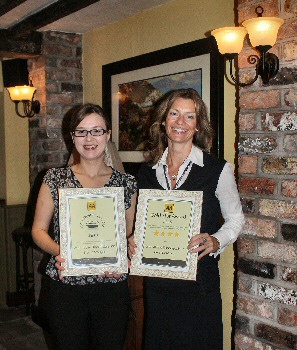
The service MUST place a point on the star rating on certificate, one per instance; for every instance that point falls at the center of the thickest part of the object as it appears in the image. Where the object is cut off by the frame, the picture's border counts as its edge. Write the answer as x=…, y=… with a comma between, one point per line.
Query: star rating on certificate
x=169, y=234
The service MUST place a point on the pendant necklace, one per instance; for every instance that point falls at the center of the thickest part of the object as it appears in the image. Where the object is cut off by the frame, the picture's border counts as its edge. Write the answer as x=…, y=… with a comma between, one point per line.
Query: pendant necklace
x=174, y=176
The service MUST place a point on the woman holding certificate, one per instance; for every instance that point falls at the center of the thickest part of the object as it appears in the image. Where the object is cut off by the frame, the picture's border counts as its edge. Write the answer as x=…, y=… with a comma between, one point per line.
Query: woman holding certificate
x=87, y=308
x=184, y=314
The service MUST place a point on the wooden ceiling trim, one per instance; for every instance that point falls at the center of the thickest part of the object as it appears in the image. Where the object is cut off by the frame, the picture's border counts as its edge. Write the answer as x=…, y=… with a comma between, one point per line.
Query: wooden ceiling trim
x=8, y=5
x=27, y=47
x=49, y=14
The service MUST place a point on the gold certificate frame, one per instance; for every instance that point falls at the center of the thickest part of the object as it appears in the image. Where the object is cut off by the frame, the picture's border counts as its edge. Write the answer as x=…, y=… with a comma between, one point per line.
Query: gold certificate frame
x=93, y=231
x=165, y=223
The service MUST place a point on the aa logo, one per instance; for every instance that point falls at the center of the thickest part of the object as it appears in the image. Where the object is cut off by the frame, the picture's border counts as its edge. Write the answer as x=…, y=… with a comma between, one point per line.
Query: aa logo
x=91, y=205
x=169, y=208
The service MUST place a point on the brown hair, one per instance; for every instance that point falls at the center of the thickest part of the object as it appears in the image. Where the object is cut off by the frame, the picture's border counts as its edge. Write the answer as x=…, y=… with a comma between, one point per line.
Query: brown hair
x=158, y=139
x=79, y=112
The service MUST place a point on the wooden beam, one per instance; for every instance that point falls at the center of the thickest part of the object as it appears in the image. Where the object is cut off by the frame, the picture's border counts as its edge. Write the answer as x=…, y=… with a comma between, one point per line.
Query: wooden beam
x=27, y=47
x=8, y=5
x=49, y=14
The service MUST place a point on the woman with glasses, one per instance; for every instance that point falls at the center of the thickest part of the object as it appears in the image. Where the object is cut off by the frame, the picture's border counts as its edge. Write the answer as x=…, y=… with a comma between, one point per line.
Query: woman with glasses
x=84, y=309
x=188, y=314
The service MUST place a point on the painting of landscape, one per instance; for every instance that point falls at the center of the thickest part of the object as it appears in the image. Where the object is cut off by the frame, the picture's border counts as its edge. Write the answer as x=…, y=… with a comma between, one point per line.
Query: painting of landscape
x=136, y=100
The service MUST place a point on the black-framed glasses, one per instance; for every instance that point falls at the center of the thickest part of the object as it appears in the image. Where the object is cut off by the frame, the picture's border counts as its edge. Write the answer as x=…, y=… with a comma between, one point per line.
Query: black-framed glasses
x=93, y=132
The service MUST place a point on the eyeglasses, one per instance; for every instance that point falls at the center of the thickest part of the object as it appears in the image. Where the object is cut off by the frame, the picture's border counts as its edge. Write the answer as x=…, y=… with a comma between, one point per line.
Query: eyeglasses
x=93, y=132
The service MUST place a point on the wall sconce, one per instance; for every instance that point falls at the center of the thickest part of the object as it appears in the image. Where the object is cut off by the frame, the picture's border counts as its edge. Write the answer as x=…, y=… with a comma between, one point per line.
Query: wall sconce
x=25, y=95
x=262, y=34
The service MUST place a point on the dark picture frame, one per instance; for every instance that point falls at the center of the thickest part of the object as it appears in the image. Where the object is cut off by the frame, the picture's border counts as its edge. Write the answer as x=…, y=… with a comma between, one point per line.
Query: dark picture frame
x=173, y=55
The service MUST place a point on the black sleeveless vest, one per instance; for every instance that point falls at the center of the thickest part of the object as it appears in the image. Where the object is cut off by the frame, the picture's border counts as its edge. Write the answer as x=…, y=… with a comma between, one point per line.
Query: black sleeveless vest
x=199, y=179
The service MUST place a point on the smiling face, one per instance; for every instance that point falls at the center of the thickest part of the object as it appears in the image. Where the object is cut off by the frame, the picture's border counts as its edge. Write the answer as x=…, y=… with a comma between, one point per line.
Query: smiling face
x=181, y=121
x=91, y=147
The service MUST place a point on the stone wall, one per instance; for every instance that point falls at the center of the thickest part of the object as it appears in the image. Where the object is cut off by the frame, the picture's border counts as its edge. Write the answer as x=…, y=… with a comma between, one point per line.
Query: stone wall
x=57, y=75
x=266, y=315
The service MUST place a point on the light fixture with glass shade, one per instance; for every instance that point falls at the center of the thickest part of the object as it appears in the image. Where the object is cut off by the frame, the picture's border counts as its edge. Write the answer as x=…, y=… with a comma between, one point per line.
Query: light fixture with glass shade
x=262, y=34
x=24, y=94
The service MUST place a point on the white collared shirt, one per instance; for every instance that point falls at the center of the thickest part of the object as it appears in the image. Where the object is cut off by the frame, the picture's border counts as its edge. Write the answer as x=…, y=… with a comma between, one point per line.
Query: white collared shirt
x=226, y=192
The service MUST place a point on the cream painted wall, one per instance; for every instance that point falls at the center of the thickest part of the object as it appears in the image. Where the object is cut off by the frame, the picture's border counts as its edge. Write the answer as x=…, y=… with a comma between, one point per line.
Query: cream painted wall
x=17, y=186
x=14, y=152
x=177, y=22
x=2, y=149
x=2, y=140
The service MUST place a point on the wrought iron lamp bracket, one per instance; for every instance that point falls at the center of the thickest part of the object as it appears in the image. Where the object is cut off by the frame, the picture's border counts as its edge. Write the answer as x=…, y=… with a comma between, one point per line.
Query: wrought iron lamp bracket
x=267, y=66
x=30, y=108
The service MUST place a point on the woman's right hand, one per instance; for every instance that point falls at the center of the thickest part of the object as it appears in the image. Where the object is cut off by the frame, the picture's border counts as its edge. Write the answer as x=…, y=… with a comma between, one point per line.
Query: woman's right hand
x=59, y=267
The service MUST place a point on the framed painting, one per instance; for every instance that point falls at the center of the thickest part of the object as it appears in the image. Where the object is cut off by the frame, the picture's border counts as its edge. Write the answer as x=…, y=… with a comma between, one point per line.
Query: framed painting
x=131, y=86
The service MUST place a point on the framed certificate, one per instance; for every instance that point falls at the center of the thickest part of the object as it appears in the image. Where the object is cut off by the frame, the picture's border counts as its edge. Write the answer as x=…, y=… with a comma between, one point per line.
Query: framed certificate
x=93, y=230
x=165, y=222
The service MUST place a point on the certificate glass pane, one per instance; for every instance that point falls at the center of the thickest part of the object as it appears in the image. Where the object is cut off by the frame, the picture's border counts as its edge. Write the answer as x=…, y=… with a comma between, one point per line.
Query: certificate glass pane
x=167, y=232
x=92, y=235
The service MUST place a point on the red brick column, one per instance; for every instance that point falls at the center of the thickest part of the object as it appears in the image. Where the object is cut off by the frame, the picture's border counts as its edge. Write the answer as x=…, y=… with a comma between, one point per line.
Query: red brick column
x=57, y=75
x=266, y=315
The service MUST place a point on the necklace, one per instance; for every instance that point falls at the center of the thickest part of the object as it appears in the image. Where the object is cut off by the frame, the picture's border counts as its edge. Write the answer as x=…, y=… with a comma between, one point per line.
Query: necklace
x=175, y=175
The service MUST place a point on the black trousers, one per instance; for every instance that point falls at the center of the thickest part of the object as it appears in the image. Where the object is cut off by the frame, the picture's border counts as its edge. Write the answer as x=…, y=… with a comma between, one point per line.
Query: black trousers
x=88, y=317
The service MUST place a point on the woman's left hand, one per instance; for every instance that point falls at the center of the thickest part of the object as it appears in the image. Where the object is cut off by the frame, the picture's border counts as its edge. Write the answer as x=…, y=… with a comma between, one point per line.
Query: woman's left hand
x=203, y=244
x=58, y=265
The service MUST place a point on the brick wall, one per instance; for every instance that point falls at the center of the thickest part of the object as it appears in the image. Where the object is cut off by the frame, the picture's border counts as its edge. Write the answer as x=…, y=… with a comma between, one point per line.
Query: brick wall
x=266, y=315
x=57, y=75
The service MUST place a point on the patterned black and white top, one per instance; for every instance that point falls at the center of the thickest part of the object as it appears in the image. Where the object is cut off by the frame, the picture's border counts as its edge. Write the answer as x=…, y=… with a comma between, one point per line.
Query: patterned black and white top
x=64, y=177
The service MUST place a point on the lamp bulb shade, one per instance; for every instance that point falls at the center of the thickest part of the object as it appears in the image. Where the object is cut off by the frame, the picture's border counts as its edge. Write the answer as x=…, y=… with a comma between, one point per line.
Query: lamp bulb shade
x=21, y=93
x=263, y=30
x=229, y=39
